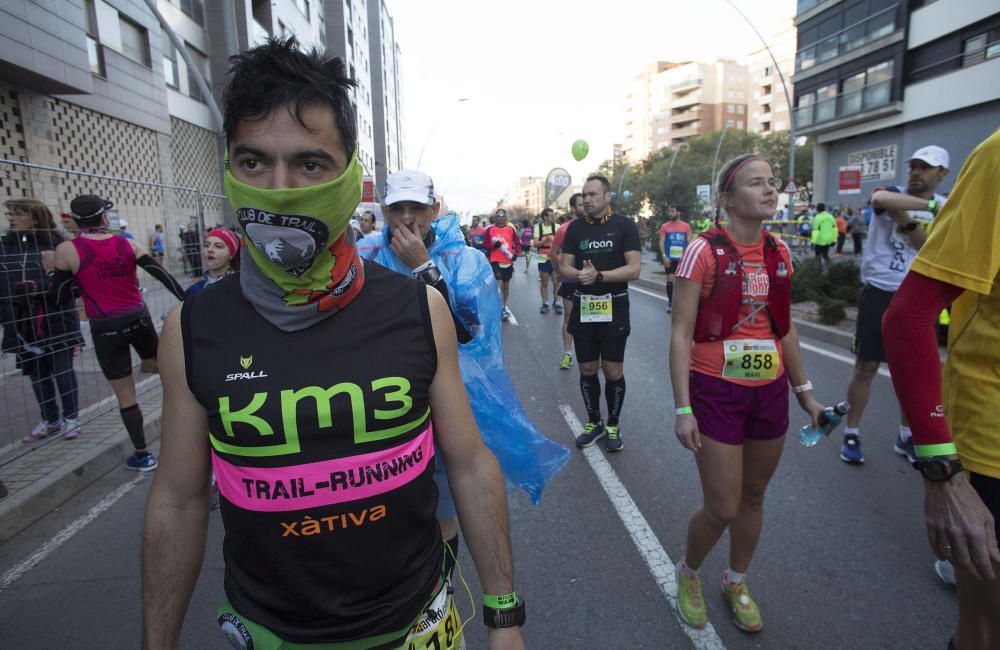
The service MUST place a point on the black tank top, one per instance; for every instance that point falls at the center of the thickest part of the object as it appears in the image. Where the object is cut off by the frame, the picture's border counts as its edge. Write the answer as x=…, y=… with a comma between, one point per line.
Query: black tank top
x=323, y=451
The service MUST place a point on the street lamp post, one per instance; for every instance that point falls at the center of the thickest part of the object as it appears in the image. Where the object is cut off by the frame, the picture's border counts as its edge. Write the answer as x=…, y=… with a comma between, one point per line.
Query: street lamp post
x=715, y=162
x=673, y=159
x=434, y=128
x=788, y=97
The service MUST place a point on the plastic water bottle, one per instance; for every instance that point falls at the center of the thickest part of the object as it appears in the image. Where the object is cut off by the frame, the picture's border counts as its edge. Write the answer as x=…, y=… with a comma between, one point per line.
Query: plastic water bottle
x=828, y=421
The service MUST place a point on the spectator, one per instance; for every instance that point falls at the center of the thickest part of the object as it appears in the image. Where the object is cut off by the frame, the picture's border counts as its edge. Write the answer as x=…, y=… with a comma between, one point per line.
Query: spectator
x=824, y=232
x=841, y=232
x=123, y=230
x=367, y=223
x=40, y=332
x=191, y=246
x=220, y=250
x=857, y=227
x=157, y=247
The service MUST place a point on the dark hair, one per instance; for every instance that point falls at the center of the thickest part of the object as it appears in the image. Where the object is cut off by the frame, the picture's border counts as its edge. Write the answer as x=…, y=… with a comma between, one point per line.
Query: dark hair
x=278, y=74
x=821, y=207
x=601, y=179
x=545, y=212
x=573, y=199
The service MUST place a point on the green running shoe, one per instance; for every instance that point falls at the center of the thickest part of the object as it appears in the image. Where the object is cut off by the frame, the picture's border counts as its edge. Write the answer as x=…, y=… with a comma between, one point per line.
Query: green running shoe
x=746, y=616
x=566, y=362
x=690, y=604
x=592, y=432
x=614, y=440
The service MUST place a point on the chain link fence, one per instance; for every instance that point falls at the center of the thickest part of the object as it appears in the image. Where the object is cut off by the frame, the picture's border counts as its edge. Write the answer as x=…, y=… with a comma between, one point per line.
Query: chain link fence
x=44, y=373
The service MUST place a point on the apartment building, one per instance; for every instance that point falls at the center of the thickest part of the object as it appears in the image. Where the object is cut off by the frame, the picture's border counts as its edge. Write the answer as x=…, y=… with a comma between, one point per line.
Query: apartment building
x=877, y=79
x=673, y=101
x=99, y=86
x=386, y=94
x=528, y=193
x=768, y=105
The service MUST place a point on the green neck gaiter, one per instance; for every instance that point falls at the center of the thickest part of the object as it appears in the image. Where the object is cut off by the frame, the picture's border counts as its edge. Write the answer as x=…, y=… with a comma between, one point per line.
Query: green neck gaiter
x=291, y=232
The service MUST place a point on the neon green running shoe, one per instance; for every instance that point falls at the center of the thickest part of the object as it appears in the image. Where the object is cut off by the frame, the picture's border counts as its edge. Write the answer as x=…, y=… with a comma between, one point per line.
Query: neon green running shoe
x=614, y=440
x=592, y=432
x=690, y=604
x=566, y=362
x=746, y=616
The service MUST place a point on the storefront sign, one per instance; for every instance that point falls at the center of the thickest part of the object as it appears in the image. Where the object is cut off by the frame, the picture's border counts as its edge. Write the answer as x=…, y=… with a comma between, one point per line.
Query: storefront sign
x=877, y=164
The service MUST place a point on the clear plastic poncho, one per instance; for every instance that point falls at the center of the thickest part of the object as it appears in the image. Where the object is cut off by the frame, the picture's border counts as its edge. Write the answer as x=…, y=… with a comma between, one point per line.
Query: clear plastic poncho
x=528, y=459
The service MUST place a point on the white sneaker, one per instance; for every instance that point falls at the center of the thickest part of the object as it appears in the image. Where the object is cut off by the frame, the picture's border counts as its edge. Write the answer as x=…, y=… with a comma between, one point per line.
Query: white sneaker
x=43, y=430
x=71, y=428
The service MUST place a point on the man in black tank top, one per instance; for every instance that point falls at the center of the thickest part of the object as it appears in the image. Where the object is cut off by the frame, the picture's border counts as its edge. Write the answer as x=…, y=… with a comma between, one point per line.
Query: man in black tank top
x=324, y=457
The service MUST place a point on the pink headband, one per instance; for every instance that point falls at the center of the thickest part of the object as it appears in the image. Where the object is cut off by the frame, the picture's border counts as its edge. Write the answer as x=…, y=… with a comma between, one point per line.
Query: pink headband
x=228, y=238
x=732, y=174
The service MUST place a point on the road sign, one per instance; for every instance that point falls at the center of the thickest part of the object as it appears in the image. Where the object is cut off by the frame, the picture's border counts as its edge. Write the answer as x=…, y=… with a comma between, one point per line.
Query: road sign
x=792, y=187
x=705, y=194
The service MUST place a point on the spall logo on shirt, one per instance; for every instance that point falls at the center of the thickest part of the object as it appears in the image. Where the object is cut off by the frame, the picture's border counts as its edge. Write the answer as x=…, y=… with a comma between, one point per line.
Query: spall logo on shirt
x=246, y=362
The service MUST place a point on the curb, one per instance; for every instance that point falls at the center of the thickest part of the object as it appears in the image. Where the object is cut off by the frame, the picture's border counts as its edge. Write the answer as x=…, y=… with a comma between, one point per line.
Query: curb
x=31, y=504
x=823, y=333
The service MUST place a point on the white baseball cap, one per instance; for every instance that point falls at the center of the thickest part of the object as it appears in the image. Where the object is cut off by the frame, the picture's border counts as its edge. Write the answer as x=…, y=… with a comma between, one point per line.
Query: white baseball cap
x=933, y=155
x=409, y=185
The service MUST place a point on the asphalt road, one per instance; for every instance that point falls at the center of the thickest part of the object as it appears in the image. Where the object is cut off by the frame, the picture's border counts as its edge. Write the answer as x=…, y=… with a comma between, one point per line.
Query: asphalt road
x=843, y=561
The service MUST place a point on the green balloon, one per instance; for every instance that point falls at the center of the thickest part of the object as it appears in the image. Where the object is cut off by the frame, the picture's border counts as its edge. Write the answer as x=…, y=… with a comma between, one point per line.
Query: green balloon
x=580, y=149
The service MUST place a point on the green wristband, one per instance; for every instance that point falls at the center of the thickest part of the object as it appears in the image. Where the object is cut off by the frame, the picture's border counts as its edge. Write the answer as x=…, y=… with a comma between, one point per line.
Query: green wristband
x=928, y=451
x=500, y=602
x=684, y=410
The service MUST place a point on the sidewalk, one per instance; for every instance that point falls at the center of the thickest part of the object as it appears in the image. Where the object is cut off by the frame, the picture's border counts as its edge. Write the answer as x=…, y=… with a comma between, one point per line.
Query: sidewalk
x=47, y=477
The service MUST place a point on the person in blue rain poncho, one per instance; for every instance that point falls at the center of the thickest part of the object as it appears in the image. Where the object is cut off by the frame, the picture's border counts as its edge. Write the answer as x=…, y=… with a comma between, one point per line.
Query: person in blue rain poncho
x=433, y=250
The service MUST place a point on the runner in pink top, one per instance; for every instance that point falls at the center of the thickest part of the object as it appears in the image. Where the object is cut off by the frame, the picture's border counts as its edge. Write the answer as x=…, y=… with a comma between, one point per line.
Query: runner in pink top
x=102, y=266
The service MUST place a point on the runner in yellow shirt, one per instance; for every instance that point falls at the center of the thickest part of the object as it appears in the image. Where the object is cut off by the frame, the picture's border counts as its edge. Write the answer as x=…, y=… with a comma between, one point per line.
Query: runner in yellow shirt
x=960, y=262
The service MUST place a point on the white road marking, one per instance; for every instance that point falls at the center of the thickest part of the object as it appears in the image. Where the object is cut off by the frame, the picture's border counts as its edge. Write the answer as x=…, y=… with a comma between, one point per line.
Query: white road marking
x=805, y=346
x=64, y=535
x=649, y=547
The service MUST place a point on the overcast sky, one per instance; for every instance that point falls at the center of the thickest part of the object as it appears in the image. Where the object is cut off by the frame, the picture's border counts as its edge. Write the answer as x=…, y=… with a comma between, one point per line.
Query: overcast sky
x=538, y=74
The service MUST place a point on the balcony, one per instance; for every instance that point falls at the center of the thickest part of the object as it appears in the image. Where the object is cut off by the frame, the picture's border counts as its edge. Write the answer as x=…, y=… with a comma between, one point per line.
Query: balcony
x=692, y=128
x=690, y=99
x=848, y=39
x=845, y=108
x=692, y=82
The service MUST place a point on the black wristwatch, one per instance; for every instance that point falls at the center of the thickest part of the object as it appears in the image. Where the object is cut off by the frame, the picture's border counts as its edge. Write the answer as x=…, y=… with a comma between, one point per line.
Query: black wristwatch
x=908, y=228
x=599, y=278
x=510, y=617
x=938, y=468
x=430, y=275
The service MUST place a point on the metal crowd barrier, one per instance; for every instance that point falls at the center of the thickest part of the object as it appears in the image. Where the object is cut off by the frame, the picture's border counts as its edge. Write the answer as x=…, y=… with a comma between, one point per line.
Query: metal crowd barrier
x=184, y=214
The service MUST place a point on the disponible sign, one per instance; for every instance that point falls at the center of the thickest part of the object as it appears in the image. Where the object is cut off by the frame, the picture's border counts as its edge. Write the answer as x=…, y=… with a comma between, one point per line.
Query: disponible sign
x=850, y=179
x=877, y=164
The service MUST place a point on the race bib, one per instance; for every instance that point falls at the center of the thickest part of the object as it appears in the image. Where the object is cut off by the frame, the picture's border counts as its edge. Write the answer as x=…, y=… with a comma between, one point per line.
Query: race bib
x=755, y=359
x=675, y=252
x=596, y=309
x=439, y=627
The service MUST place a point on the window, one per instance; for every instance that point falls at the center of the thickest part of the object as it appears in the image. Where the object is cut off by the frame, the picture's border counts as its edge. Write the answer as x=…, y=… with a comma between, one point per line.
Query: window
x=195, y=9
x=852, y=99
x=804, y=113
x=350, y=37
x=282, y=30
x=303, y=6
x=730, y=109
x=981, y=47
x=767, y=71
x=201, y=62
x=877, y=84
x=740, y=109
x=95, y=53
x=766, y=108
x=730, y=123
x=170, y=74
x=767, y=89
x=739, y=124
x=826, y=102
x=135, y=44
x=765, y=127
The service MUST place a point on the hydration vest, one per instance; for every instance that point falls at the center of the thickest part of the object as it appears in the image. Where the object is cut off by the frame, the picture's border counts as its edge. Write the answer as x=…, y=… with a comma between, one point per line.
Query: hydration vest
x=719, y=312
